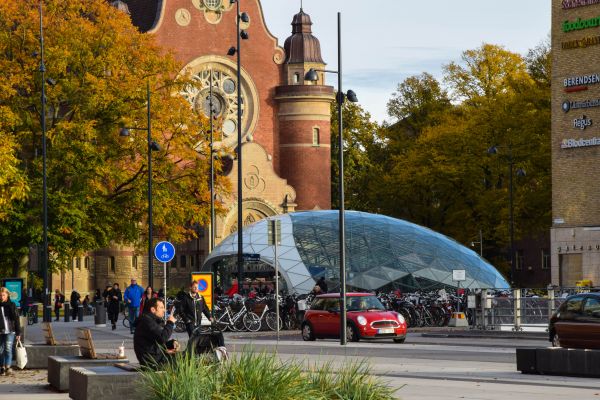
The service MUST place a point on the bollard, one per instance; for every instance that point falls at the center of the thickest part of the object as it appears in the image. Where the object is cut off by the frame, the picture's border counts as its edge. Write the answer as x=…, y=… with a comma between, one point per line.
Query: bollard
x=23, y=321
x=80, y=313
x=67, y=308
x=47, y=317
x=100, y=317
x=517, y=308
x=34, y=308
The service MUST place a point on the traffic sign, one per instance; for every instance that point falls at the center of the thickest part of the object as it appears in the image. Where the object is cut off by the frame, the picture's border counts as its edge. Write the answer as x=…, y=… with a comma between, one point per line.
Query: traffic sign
x=205, y=286
x=459, y=275
x=164, y=252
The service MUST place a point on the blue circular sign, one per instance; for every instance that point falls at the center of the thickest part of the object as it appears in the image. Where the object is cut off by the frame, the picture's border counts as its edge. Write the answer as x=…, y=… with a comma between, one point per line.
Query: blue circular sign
x=164, y=252
x=202, y=285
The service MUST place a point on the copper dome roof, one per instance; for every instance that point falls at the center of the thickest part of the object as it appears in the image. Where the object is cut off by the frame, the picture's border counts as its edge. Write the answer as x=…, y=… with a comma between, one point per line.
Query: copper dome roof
x=302, y=46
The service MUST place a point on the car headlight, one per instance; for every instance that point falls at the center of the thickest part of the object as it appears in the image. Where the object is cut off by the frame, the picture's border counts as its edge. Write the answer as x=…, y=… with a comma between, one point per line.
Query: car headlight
x=401, y=319
x=361, y=320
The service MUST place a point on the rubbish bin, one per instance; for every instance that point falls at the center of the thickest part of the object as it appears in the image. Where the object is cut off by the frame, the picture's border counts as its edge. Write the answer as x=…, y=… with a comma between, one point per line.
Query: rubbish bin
x=80, y=313
x=100, y=317
x=67, y=308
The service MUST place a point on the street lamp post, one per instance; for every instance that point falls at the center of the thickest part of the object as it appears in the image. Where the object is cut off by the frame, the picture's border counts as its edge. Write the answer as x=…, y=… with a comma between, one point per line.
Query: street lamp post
x=240, y=34
x=152, y=146
x=312, y=75
x=520, y=172
x=212, y=168
x=47, y=313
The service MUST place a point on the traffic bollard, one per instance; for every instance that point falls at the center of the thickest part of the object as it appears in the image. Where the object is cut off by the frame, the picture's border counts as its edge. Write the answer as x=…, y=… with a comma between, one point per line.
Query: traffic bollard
x=100, y=317
x=67, y=308
x=80, y=313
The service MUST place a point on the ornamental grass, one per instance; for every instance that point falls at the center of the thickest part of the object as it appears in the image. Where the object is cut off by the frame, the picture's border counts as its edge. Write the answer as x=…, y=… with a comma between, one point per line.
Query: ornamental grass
x=261, y=376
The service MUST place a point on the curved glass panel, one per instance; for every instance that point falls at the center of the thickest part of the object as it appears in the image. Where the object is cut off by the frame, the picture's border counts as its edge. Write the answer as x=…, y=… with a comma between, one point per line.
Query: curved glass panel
x=382, y=253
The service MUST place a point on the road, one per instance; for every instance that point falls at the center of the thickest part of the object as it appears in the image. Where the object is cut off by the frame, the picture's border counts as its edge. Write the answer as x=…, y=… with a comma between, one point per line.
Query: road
x=423, y=368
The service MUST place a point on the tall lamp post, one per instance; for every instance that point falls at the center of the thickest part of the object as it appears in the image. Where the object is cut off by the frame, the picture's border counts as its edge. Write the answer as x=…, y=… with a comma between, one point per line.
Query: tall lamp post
x=520, y=173
x=240, y=34
x=313, y=76
x=152, y=146
x=212, y=167
x=47, y=313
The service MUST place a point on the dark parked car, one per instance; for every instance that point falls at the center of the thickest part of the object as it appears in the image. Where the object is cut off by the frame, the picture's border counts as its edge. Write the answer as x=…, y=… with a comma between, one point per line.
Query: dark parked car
x=576, y=323
x=366, y=317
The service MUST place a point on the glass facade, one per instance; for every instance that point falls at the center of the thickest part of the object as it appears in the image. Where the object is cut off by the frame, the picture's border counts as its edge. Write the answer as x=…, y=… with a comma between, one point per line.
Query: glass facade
x=382, y=253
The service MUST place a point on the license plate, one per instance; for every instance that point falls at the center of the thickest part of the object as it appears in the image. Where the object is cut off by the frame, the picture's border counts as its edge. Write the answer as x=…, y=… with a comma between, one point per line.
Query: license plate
x=386, y=330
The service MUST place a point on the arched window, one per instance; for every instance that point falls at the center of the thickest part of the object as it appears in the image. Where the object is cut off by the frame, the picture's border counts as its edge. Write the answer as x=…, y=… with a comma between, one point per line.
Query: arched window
x=316, y=138
x=296, y=78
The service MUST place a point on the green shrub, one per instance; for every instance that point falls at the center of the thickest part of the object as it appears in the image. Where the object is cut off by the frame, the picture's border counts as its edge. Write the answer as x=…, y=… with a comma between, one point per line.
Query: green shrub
x=258, y=376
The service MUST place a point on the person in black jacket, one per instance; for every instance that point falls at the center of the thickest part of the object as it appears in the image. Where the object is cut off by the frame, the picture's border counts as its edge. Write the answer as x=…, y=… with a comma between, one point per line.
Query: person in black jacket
x=322, y=284
x=59, y=300
x=114, y=298
x=191, y=307
x=151, y=338
x=10, y=329
x=75, y=297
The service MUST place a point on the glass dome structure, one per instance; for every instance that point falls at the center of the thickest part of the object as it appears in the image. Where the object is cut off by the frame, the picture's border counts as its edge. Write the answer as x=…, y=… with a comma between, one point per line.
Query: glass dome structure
x=382, y=253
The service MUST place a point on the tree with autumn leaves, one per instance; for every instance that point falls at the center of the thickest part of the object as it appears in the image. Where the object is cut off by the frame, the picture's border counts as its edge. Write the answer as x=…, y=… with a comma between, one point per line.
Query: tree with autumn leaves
x=99, y=64
x=432, y=166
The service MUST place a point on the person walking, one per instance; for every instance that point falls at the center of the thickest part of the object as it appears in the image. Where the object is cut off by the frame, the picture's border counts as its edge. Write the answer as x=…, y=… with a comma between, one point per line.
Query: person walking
x=132, y=298
x=10, y=329
x=97, y=296
x=193, y=306
x=75, y=297
x=59, y=300
x=114, y=297
x=148, y=294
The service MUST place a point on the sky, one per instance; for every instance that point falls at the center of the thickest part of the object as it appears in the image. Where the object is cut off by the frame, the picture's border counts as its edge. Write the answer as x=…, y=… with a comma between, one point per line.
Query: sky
x=386, y=41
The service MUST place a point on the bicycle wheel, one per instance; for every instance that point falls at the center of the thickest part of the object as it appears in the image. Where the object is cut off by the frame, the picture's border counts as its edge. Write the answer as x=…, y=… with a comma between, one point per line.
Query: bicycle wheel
x=126, y=322
x=252, y=322
x=271, y=319
x=30, y=319
x=237, y=324
x=179, y=326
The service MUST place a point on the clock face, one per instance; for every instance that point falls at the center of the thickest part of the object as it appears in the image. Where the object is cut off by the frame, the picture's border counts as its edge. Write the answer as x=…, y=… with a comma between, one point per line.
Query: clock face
x=224, y=100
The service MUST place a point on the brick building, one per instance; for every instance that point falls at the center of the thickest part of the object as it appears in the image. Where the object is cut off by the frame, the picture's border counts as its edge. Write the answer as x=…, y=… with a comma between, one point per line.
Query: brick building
x=285, y=124
x=575, y=233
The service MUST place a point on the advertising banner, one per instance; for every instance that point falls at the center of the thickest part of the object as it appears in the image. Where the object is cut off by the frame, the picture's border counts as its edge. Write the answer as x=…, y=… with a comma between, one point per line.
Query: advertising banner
x=205, y=286
x=15, y=287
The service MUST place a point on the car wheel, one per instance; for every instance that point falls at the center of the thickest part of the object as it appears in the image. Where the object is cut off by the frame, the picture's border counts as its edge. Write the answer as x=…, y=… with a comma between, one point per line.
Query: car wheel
x=307, y=332
x=555, y=340
x=398, y=340
x=352, y=333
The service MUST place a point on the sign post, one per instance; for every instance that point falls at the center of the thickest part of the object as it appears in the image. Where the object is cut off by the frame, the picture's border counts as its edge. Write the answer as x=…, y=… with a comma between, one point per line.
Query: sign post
x=274, y=236
x=459, y=275
x=205, y=288
x=458, y=318
x=15, y=289
x=164, y=252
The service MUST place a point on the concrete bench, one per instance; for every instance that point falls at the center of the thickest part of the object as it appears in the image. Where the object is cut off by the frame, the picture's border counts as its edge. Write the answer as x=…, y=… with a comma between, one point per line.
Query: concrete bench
x=101, y=383
x=559, y=361
x=37, y=354
x=58, y=367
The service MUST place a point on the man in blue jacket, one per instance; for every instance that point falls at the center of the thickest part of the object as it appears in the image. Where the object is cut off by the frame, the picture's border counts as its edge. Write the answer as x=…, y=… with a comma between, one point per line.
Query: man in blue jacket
x=132, y=298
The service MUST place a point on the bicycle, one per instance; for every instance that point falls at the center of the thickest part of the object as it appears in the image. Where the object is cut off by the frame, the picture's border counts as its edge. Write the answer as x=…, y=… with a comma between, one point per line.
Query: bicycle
x=225, y=318
x=31, y=317
x=125, y=313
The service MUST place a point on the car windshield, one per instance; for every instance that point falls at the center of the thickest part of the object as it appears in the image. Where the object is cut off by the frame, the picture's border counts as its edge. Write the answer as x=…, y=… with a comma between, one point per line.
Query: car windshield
x=364, y=303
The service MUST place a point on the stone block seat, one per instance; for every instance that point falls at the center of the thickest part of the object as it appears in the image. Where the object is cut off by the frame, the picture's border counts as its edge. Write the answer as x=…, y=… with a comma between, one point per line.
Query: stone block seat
x=37, y=354
x=58, y=366
x=108, y=382
x=559, y=361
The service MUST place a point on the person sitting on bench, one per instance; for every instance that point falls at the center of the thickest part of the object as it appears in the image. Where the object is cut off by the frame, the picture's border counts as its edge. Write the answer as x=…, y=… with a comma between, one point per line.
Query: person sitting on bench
x=151, y=338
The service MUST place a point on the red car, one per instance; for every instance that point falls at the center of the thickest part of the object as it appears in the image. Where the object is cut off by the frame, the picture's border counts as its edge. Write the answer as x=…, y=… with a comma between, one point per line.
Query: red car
x=366, y=318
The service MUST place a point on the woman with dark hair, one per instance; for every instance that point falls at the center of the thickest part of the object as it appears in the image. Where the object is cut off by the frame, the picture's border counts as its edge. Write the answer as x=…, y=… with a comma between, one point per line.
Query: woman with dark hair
x=148, y=294
x=114, y=302
x=10, y=329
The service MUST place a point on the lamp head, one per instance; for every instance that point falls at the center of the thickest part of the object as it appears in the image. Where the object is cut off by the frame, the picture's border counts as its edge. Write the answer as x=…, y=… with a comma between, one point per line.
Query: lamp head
x=311, y=75
x=124, y=132
x=521, y=172
x=492, y=150
x=244, y=34
x=244, y=17
x=352, y=96
x=50, y=81
x=154, y=146
x=232, y=50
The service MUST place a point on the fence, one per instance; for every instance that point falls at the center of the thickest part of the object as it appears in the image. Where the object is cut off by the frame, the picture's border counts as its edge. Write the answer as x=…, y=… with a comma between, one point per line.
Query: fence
x=516, y=309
